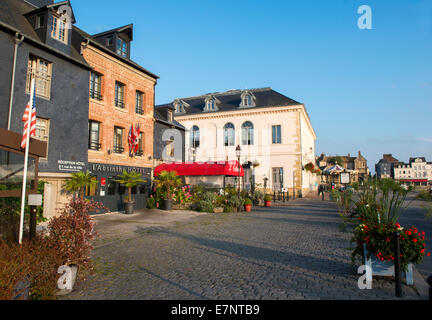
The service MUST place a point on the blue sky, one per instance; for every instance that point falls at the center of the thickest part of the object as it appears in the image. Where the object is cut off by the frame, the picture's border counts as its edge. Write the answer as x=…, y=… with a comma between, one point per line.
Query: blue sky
x=368, y=90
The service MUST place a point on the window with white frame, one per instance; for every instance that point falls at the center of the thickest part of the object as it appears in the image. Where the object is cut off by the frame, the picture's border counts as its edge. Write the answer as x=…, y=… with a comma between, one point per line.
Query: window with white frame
x=39, y=69
x=42, y=131
x=59, y=30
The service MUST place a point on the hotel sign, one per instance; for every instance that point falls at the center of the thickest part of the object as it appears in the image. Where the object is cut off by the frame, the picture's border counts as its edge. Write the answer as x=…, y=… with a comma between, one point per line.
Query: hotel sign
x=69, y=166
x=118, y=169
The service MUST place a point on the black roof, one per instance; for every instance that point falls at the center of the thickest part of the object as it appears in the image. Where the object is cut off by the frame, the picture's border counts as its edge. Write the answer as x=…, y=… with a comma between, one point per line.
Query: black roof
x=12, y=15
x=230, y=100
x=162, y=119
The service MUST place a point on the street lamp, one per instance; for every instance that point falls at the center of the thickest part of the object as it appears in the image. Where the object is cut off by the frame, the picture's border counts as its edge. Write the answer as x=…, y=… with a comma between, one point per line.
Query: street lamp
x=238, y=151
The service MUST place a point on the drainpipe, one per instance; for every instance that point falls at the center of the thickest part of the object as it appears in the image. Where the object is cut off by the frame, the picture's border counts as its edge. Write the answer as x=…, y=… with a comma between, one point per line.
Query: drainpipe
x=19, y=38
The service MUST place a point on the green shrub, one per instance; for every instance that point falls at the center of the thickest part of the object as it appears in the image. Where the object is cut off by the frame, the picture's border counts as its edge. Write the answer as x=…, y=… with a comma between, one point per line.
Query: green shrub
x=424, y=195
x=247, y=201
x=151, y=202
x=267, y=198
x=205, y=206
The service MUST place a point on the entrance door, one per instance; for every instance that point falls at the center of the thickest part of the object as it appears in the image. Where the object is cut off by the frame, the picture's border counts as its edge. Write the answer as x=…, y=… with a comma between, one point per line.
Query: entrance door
x=278, y=179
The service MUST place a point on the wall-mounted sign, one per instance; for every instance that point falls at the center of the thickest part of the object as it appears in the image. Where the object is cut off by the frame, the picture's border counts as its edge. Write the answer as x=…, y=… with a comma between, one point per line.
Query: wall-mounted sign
x=345, y=178
x=71, y=166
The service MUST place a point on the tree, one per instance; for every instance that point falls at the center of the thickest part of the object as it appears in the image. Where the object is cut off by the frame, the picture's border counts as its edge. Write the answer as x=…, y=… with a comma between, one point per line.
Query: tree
x=334, y=160
x=130, y=180
x=79, y=182
x=166, y=182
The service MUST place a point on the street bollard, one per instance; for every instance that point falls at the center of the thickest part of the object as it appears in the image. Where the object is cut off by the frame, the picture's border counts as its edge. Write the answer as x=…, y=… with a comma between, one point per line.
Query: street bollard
x=430, y=287
x=397, y=265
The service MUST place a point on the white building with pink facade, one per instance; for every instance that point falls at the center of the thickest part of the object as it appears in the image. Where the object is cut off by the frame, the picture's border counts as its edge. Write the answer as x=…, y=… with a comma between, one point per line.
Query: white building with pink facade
x=274, y=133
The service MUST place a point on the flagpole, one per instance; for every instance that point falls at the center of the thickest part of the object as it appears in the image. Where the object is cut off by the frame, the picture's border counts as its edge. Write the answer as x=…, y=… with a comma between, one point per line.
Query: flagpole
x=24, y=185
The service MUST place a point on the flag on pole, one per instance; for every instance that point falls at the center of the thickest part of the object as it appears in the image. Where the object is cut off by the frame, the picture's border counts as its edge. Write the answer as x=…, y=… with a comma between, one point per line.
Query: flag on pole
x=131, y=139
x=25, y=118
x=137, y=136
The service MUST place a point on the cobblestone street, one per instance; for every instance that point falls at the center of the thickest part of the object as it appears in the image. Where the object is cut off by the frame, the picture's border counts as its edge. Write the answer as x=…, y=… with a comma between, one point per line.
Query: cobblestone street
x=291, y=252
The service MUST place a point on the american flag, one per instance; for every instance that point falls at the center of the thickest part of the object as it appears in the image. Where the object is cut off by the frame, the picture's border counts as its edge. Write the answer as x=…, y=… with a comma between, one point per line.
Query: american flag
x=25, y=117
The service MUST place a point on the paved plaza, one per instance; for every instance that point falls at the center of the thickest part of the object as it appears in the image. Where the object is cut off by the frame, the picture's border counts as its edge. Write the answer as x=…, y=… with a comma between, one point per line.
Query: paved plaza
x=295, y=251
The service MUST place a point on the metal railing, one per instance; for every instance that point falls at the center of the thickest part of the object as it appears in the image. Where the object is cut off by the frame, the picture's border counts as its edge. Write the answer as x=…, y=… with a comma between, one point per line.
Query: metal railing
x=139, y=110
x=118, y=149
x=119, y=103
x=94, y=94
x=94, y=145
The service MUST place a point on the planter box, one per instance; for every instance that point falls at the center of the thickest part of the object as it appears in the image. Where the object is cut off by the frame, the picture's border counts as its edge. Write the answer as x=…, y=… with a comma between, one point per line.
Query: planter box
x=166, y=204
x=384, y=268
x=218, y=210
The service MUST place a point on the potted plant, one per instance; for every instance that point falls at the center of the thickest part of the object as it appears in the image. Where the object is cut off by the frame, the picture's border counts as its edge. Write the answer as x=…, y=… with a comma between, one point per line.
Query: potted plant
x=257, y=197
x=267, y=200
x=166, y=183
x=248, y=204
x=79, y=181
x=129, y=180
x=379, y=205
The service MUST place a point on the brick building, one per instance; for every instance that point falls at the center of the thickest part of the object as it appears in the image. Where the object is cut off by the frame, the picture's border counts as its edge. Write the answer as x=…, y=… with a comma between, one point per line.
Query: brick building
x=121, y=95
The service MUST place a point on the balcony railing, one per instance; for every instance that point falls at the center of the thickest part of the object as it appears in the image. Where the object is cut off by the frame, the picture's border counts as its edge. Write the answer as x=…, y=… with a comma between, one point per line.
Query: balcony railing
x=119, y=104
x=139, y=110
x=94, y=145
x=118, y=149
x=95, y=95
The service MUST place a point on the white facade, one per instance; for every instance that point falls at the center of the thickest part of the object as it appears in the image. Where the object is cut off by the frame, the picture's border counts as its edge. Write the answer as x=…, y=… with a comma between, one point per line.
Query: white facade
x=418, y=169
x=283, y=142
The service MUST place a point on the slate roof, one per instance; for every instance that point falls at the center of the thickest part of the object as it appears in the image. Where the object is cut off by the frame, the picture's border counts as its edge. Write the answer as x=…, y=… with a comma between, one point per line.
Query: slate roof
x=12, y=14
x=230, y=101
x=411, y=160
x=161, y=118
x=97, y=44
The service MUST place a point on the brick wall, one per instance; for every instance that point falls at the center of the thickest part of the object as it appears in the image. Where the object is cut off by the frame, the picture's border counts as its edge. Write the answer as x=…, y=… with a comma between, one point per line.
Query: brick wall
x=109, y=116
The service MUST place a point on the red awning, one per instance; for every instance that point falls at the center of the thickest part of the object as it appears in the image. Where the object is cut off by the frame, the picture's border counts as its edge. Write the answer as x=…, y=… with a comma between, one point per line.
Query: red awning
x=224, y=168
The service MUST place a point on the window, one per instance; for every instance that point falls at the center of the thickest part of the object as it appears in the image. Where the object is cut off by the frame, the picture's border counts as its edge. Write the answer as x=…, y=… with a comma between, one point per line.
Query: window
x=179, y=108
x=195, y=137
x=170, y=116
x=247, y=133
x=94, y=129
x=58, y=31
x=211, y=105
x=169, y=149
x=95, y=86
x=229, y=135
x=40, y=21
x=247, y=100
x=91, y=190
x=42, y=131
x=118, y=140
x=276, y=134
x=139, y=98
x=41, y=70
x=110, y=41
x=140, y=151
x=119, y=95
x=121, y=47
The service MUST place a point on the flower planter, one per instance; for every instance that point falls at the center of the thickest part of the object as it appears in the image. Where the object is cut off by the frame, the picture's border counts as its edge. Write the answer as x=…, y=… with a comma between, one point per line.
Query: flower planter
x=248, y=207
x=166, y=204
x=129, y=207
x=384, y=268
x=218, y=210
x=268, y=203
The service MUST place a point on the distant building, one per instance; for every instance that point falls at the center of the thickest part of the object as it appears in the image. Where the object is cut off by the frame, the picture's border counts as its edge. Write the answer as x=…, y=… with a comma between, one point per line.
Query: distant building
x=357, y=165
x=385, y=167
x=417, y=172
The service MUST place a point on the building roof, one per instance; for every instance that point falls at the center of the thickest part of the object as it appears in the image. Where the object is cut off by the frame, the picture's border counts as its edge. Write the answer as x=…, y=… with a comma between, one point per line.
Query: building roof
x=390, y=158
x=12, y=16
x=98, y=45
x=230, y=101
x=160, y=118
x=411, y=160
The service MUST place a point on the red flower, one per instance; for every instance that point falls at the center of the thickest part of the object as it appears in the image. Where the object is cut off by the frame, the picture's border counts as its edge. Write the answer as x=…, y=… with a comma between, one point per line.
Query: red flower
x=415, y=240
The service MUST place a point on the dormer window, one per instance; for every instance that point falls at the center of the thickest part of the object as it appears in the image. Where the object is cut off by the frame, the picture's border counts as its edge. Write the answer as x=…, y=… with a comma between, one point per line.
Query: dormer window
x=170, y=116
x=180, y=106
x=122, y=47
x=247, y=100
x=59, y=31
x=40, y=21
x=211, y=104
